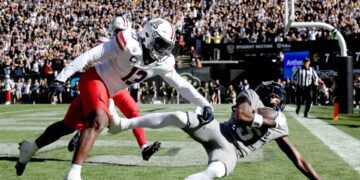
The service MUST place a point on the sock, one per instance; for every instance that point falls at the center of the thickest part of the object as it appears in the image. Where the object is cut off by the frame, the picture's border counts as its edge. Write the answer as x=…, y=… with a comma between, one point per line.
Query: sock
x=27, y=150
x=140, y=136
x=75, y=171
x=143, y=147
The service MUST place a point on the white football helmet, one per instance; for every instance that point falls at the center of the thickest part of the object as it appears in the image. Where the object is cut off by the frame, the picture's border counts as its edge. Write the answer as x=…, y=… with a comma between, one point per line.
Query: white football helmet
x=120, y=23
x=158, y=36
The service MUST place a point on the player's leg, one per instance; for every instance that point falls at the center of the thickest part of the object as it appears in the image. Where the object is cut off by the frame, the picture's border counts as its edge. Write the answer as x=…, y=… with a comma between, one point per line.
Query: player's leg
x=94, y=97
x=298, y=95
x=214, y=170
x=308, y=95
x=221, y=153
x=51, y=134
x=127, y=106
x=154, y=121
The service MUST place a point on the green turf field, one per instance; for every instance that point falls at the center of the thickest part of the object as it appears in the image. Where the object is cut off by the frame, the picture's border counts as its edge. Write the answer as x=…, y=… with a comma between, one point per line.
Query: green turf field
x=118, y=157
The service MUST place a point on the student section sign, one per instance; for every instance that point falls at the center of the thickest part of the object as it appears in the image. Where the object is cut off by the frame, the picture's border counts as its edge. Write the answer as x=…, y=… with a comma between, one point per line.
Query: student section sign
x=293, y=60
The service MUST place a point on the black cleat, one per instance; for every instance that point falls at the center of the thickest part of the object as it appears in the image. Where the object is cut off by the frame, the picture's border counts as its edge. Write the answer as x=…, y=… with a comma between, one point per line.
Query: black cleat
x=20, y=167
x=150, y=150
x=74, y=142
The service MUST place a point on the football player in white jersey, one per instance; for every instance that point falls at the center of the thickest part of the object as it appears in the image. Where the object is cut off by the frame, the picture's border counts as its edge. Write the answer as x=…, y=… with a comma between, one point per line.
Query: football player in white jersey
x=124, y=60
x=123, y=100
x=249, y=127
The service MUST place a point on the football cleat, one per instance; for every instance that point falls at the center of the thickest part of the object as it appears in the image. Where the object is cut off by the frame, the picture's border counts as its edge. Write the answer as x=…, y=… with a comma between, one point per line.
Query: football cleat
x=20, y=167
x=27, y=150
x=74, y=142
x=150, y=150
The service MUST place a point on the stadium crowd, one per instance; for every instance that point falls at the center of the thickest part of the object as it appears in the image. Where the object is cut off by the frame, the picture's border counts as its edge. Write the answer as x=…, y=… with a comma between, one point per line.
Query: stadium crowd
x=39, y=37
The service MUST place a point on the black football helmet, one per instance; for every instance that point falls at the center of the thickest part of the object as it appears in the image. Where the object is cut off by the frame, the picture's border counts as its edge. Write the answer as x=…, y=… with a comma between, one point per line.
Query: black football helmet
x=270, y=89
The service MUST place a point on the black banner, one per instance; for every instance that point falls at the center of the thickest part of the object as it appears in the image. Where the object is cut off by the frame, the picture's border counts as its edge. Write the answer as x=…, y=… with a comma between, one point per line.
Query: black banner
x=323, y=52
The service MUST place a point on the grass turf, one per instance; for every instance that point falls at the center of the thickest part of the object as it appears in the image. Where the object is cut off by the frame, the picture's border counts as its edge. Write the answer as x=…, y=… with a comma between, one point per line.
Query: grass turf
x=55, y=163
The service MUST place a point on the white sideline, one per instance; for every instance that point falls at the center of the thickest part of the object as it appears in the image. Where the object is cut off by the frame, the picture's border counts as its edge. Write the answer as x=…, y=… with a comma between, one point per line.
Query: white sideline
x=344, y=145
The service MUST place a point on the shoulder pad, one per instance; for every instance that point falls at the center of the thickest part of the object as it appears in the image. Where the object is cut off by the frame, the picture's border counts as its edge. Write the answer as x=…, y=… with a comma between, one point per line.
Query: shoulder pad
x=102, y=40
x=127, y=41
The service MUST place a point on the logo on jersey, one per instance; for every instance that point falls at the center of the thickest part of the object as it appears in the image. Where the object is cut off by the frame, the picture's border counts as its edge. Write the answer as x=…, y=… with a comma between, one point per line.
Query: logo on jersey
x=134, y=59
x=134, y=36
x=156, y=24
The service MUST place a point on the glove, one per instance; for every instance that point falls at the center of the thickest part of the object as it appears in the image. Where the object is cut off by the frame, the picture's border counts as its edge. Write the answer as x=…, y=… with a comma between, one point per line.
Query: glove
x=55, y=88
x=207, y=116
x=280, y=120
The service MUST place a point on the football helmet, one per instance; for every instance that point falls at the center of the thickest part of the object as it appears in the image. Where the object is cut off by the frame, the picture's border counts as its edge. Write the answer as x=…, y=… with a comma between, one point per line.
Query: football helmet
x=268, y=90
x=120, y=23
x=158, y=37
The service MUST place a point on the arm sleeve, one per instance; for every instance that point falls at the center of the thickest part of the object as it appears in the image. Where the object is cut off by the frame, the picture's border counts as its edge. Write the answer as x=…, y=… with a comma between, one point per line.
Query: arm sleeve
x=185, y=88
x=94, y=55
x=315, y=77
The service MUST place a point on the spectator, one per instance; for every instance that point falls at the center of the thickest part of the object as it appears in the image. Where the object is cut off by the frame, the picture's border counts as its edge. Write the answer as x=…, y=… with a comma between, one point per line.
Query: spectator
x=35, y=92
x=357, y=92
x=217, y=93
x=27, y=91
x=175, y=96
x=290, y=91
x=18, y=90
x=240, y=86
x=9, y=85
x=39, y=37
x=323, y=93
x=152, y=92
x=246, y=84
x=231, y=95
x=162, y=93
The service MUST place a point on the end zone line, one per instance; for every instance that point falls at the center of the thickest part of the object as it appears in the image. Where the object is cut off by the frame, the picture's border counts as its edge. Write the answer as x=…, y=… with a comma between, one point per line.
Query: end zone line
x=344, y=145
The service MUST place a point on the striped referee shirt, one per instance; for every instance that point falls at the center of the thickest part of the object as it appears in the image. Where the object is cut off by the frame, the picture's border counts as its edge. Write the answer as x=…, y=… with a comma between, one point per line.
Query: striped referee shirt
x=305, y=77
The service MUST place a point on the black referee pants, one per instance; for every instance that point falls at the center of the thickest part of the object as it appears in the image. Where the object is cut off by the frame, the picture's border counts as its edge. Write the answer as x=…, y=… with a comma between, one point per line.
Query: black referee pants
x=304, y=95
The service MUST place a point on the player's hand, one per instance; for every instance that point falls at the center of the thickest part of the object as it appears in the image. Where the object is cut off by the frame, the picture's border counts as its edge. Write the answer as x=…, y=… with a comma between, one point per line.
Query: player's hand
x=55, y=88
x=280, y=120
x=207, y=116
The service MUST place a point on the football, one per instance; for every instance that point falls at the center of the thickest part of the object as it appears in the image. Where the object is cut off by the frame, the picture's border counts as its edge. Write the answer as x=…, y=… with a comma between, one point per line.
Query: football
x=267, y=112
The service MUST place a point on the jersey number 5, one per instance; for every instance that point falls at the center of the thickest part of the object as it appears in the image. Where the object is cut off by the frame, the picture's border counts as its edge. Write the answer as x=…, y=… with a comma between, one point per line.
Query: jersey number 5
x=136, y=75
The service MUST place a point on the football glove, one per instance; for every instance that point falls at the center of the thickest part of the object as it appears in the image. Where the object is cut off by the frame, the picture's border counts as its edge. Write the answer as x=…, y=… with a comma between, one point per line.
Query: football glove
x=55, y=88
x=207, y=116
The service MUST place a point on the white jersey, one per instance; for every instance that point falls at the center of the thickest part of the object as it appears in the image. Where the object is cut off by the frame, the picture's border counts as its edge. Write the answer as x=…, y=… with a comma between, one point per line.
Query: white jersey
x=248, y=139
x=119, y=63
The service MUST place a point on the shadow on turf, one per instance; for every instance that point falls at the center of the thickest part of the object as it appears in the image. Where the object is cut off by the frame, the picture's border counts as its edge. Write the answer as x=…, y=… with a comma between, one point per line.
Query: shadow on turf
x=32, y=159
x=347, y=125
x=14, y=159
x=154, y=110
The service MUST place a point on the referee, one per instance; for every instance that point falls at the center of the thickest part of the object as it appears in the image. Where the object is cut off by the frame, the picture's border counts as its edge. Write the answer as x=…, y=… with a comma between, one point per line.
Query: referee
x=304, y=79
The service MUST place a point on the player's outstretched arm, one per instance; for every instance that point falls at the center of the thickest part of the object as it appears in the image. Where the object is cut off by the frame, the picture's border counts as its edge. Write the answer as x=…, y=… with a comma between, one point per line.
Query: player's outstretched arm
x=101, y=52
x=294, y=155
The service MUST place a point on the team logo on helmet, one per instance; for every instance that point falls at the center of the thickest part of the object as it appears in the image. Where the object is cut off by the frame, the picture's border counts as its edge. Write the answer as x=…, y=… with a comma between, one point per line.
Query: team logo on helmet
x=156, y=24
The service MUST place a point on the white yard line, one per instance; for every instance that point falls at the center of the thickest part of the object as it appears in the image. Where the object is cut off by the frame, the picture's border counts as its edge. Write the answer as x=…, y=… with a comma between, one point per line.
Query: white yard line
x=344, y=145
